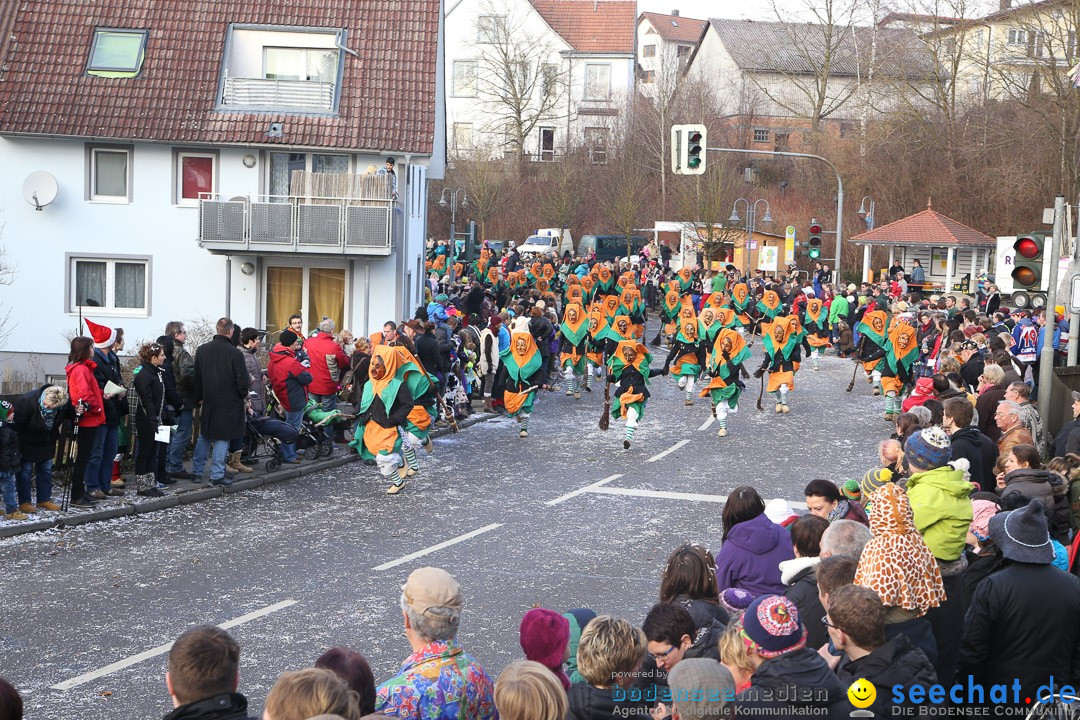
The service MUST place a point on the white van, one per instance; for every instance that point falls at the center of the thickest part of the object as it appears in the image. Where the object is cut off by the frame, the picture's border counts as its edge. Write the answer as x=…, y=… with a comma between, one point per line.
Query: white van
x=548, y=240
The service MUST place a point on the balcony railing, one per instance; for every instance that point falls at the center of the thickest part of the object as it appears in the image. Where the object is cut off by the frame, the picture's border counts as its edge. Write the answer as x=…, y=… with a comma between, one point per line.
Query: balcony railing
x=281, y=224
x=261, y=93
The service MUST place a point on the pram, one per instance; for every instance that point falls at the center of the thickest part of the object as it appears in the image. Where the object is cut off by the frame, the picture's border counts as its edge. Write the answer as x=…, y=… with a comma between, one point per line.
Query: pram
x=264, y=438
x=315, y=436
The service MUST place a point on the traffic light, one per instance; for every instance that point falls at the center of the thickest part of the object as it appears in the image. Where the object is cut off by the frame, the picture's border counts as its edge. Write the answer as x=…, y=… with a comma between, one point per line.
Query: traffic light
x=688, y=149
x=1028, y=262
x=470, y=243
x=814, y=241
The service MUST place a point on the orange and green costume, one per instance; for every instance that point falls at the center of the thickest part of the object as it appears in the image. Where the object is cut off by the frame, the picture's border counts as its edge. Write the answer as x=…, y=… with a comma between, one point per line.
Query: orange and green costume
x=631, y=379
x=902, y=351
x=574, y=332
x=522, y=364
x=729, y=353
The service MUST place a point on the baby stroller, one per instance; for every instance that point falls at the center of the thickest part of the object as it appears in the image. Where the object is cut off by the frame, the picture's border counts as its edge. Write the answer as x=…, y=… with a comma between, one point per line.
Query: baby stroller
x=317, y=430
x=264, y=438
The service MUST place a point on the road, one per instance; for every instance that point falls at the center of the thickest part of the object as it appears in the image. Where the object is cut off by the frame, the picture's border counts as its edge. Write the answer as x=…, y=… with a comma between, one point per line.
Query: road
x=564, y=518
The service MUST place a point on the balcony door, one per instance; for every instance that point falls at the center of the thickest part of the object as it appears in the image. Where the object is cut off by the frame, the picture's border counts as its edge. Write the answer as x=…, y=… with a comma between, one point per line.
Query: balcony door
x=314, y=292
x=284, y=164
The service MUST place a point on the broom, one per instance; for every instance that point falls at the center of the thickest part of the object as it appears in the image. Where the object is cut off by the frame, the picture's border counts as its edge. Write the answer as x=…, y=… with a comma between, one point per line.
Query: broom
x=761, y=393
x=851, y=385
x=605, y=419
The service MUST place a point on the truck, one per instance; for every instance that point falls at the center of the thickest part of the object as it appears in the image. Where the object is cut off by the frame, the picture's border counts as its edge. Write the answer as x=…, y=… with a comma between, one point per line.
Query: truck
x=1014, y=293
x=555, y=241
x=610, y=247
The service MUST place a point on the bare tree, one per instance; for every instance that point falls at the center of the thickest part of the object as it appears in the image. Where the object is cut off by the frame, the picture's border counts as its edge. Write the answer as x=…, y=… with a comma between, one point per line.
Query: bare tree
x=561, y=197
x=655, y=110
x=7, y=277
x=520, y=76
x=704, y=203
x=488, y=185
x=625, y=186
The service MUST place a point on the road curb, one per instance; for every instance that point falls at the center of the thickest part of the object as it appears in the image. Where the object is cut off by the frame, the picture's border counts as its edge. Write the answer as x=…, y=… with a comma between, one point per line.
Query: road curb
x=200, y=494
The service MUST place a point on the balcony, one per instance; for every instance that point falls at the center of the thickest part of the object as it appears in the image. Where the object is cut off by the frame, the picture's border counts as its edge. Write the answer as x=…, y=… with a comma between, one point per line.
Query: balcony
x=257, y=93
x=291, y=224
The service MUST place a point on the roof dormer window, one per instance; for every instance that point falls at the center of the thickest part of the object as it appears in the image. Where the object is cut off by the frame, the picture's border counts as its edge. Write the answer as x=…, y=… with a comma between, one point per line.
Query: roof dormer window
x=282, y=69
x=117, y=52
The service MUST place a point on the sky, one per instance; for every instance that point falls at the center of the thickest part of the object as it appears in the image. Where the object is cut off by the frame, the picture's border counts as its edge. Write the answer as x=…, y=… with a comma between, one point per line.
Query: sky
x=764, y=9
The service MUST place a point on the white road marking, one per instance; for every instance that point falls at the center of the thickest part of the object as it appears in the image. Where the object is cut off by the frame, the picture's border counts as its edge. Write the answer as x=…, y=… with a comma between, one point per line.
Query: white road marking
x=587, y=488
x=707, y=423
x=670, y=450
x=661, y=494
x=437, y=547
x=162, y=649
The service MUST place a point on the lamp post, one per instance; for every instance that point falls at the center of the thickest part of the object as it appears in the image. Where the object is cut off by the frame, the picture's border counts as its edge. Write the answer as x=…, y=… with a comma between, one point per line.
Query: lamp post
x=751, y=219
x=453, y=205
x=869, y=217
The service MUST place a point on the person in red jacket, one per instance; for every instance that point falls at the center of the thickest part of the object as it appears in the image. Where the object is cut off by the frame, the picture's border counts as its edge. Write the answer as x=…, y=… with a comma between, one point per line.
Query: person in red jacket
x=290, y=380
x=328, y=362
x=89, y=406
x=924, y=390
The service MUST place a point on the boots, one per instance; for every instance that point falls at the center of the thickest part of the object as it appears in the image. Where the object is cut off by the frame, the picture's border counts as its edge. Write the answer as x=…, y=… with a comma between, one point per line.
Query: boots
x=235, y=465
x=147, y=486
x=487, y=404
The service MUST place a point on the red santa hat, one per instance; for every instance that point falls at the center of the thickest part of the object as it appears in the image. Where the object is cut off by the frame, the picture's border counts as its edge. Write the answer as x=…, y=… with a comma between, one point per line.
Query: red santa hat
x=103, y=336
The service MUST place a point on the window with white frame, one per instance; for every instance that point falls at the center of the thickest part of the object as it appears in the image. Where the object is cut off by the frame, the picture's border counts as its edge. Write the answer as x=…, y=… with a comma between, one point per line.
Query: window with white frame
x=110, y=174
x=464, y=78
x=463, y=136
x=117, y=285
x=547, y=144
x=648, y=76
x=282, y=165
x=549, y=75
x=1018, y=36
x=761, y=135
x=304, y=64
x=490, y=29
x=596, y=141
x=117, y=52
x=648, y=51
x=684, y=50
x=597, y=81
x=195, y=176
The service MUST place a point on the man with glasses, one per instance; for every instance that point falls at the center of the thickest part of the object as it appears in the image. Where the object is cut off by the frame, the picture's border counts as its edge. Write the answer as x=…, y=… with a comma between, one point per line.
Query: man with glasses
x=183, y=366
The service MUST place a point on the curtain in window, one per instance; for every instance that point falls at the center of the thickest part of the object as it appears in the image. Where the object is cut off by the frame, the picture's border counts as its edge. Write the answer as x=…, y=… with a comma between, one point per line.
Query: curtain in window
x=284, y=296
x=130, y=285
x=281, y=168
x=90, y=284
x=330, y=163
x=110, y=173
x=196, y=176
x=326, y=295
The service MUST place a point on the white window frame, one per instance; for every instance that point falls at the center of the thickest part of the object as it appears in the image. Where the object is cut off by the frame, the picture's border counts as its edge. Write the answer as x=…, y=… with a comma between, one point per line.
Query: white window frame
x=304, y=51
x=92, y=193
x=761, y=130
x=648, y=76
x=586, y=90
x=540, y=151
x=648, y=51
x=598, y=144
x=178, y=175
x=458, y=129
x=305, y=287
x=480, y=38
x=1017, y=36
x=454, y=78
x=110, y=261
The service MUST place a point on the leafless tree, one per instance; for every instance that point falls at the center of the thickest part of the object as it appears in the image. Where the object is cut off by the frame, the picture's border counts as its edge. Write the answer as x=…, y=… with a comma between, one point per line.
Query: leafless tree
x=625, y=185
x=488, y=183
x=7, y=277
x=655, y=111
x=561, y=198
x=704, y=204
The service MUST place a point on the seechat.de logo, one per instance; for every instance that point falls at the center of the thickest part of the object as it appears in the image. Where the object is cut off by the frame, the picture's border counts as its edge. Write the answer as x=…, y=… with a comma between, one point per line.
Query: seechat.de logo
x=862, y=694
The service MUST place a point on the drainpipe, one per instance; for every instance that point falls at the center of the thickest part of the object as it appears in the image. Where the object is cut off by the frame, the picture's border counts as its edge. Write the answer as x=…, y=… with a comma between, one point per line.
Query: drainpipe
x=228, y=286
x=367, y=296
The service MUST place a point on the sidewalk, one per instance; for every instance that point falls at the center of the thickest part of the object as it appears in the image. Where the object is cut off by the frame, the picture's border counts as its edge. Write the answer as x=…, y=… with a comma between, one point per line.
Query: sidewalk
x=185, y=492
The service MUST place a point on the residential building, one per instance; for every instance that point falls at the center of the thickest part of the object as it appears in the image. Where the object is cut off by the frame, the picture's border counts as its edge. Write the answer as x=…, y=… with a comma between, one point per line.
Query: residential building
x=535, y=77
x=664, y=46
x=214, y=158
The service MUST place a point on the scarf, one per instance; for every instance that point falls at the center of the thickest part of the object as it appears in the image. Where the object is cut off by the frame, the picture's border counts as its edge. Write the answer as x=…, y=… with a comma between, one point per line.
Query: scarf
x=840, y=511
x=47, y=416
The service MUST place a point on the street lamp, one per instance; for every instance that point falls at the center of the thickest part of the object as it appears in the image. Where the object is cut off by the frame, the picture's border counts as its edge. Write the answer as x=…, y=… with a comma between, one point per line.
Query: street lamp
x=868, y=216
x=453, y=205
x=751, y=218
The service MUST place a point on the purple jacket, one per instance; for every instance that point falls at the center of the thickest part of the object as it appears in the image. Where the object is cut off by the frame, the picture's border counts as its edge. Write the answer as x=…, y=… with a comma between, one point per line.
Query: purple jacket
x=750, y=558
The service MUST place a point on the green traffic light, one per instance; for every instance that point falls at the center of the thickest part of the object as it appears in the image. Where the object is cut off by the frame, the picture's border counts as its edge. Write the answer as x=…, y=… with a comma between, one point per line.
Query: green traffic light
x=693, y=162
x=814, y=253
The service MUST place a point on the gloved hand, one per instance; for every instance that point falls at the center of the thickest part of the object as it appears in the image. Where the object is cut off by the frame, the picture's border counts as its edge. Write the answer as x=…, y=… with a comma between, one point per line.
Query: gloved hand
x=759, y=372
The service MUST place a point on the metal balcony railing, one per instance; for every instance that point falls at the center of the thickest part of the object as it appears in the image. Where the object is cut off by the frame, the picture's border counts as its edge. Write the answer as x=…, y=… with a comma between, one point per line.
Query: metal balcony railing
x=259, y=92
x=278, y=223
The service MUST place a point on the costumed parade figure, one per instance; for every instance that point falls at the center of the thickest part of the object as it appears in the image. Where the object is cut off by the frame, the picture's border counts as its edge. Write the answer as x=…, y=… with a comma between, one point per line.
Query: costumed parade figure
x=628, y=368
x=816, y=324
x=871, y=350
x=573, y=345
x=383, y=412
x=780, y=339
x=522, y=364
x=688, y=352
x=669, y=311
x=594, y=354
x=729, y=352
x=901, y=353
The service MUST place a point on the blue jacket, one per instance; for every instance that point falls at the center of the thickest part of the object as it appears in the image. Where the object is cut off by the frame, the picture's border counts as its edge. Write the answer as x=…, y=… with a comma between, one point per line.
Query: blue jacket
x=504, y=338
x=750, y=557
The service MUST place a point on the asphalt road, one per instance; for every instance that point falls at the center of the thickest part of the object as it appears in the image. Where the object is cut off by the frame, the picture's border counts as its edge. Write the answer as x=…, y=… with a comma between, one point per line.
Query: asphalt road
x=565, y=518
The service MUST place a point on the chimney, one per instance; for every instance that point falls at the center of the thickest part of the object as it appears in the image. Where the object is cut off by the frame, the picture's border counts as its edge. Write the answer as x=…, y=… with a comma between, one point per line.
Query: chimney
x=675, y=12
x=1004, y=4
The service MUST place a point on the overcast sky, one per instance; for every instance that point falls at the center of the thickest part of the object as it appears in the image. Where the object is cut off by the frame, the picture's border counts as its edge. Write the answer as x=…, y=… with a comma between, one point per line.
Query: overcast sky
x=763, y=9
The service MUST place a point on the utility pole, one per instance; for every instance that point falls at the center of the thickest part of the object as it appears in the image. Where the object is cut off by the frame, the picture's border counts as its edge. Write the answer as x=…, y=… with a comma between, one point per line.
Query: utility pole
x=1074, y=317
x=1046, y=358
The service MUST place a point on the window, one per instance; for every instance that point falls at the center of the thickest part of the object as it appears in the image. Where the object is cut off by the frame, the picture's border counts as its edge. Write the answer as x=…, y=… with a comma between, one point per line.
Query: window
x=648, y=76
x=547, y=144
x=463, y=136
x=648, y=51
x=284, y=164
x=1018, y=36
x=781, y=141
x=115, y=52
x=490, y=29
x=683, y=50
x=304, y=64
x=110, y=174
x=313, y=292
x=195, y=174
x=465, y=78
x=978, y=39
x=549, y=73
x=597, y=82
x=596, y=140
x=118, y=285
x=761, y=135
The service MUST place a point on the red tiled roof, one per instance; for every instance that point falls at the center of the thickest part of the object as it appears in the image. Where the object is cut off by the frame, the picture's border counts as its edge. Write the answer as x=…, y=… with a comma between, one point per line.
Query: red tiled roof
x=592, y=25
x=928, y=227
x=387, y=96
x=676, y=28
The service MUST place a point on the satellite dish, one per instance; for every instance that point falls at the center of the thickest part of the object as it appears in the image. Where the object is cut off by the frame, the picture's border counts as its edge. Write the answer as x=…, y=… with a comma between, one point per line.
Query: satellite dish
x=39, y=189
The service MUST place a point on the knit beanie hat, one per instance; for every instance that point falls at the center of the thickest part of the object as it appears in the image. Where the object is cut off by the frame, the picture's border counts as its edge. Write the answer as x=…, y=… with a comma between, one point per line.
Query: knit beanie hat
x=780, y=512
x=735, y=601
x=928, y=448
x=544, y=635
x=851, y=490
x=873, y=479
x=6, y=411
x=288, y=338
x=771, y=626
x=982, y=511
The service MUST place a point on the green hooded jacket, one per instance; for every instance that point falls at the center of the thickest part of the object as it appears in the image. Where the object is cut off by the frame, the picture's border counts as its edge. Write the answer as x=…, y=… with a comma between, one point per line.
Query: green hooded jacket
x=940, y=501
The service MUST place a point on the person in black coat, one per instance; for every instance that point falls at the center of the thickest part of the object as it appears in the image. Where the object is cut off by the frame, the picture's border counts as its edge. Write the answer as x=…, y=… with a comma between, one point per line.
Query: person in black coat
x=39, y=417
x=967, y=442
x=10, y=462
x=972, y=367
x=150, y=388
x=427, y=349
x=542, y=331
x=800, y=575
x=202, y=676
x=1013, y=631
x=857, y=627
x=221, y=385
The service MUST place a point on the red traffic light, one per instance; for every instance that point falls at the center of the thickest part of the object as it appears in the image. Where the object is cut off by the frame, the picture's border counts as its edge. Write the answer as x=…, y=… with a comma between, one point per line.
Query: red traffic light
x=695, y=137
x=1027, y=247
x=815, y=229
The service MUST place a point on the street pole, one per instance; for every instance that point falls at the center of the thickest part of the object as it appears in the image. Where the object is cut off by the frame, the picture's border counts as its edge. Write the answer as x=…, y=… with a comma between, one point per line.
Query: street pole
x=453, y=246
x=1074, y=318
x=839, y=190
x=1046, y=358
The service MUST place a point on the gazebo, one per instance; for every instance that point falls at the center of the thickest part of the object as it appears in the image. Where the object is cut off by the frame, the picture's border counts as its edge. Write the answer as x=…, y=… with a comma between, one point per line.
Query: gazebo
x=946, y=249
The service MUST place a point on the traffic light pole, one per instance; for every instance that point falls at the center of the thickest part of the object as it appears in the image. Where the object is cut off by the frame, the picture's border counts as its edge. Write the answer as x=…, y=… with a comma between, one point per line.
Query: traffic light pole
x=1046, y=357
x=839, y=191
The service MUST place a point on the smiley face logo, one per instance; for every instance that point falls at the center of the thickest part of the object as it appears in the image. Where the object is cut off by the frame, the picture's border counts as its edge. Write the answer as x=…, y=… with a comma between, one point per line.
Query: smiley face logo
x=862, y=693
